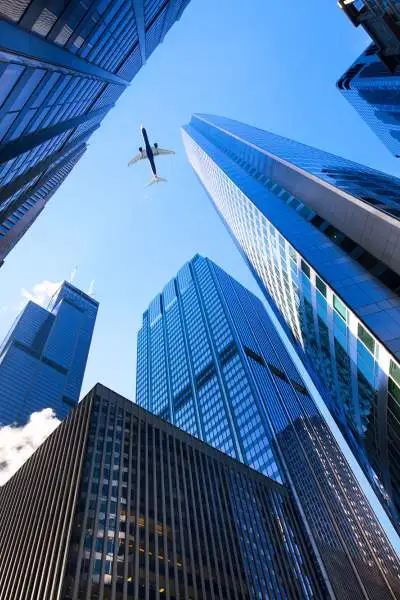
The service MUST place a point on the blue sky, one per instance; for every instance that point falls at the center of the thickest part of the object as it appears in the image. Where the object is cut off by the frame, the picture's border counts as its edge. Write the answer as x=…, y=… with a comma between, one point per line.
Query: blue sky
x=271, y=64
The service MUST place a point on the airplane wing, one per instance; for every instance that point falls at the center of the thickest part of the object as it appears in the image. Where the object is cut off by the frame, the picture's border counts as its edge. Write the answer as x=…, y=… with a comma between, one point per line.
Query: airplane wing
x=142, y=155
x=157, y=151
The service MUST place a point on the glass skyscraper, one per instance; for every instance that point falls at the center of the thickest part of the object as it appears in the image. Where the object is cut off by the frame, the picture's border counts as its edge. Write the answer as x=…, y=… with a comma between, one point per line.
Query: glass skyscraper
x=63, y=65
x=43, y=358
x=321, y=235
x=374, y=91
x=211, y=362
x=119, y=505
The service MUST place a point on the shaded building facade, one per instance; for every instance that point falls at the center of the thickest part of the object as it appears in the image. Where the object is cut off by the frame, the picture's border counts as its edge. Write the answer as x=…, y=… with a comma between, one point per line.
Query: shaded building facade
x=63, y=65
x=374, y=91
x=321, y=237
x=43, y=358
x=381, y=20
x=211, y=362
x=135, y=508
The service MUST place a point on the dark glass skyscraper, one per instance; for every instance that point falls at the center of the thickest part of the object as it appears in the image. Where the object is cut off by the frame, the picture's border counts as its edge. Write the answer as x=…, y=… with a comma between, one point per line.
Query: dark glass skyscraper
x=321, y=234
x=374, y=91
x=63, y=65
x=381, y=20
x=211, y=362
x=118, y=504
x=43, y=358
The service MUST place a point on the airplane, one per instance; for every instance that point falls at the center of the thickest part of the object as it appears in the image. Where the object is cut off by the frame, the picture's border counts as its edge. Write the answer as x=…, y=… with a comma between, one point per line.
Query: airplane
x=150, y=152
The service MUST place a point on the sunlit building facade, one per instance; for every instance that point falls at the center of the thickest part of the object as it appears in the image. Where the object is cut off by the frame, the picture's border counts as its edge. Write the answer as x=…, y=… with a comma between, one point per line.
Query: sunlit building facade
x=43, y=358
x=136, y=508
x=321, y=237
x=63, y=65
x=211, y=362
x=374, y=91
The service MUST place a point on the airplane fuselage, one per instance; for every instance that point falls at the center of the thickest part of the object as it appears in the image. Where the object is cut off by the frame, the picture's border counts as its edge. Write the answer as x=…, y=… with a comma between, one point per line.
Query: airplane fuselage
x=149, y=151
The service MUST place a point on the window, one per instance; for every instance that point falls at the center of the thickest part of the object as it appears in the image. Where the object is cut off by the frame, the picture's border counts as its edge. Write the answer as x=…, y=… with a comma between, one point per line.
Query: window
x=28, y=88
x=394, y=372
x=340, y=307
x=292, y=253
x=8, y=79
x=367, y=338
x=305, y=268
x=395, y=393
x=6, y=123
x=321, y=286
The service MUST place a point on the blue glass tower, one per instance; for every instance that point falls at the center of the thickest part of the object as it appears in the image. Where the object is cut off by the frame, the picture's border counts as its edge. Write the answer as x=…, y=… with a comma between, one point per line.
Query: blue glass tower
x=211, y=362
x=373, y=89
x=63, y=65
x=372, y=82
x=43, y=358
x=321, y=234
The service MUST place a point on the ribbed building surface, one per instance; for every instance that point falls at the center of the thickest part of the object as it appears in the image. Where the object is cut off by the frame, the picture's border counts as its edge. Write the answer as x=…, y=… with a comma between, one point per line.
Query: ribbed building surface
x=63, y=65
x=211, y=362
x=36, y=509
x=321, y=236
x=43, y=358
x=117, y=504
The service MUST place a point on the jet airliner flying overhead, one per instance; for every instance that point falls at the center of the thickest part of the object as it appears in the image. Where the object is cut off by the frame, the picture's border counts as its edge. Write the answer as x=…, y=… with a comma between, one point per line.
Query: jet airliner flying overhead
x=150, y=152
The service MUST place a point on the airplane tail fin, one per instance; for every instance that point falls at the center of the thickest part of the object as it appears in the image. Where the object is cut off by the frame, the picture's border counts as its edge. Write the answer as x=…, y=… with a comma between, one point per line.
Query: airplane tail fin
x=156, y=179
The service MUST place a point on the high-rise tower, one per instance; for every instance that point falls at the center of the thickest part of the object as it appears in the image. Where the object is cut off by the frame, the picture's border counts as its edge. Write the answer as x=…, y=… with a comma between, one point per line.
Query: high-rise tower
x=372, y=83
x=321, y=234
x=63, y=65
x=211, y=362
x=381, y=20
x=43, y=358
x=374, y=91
x=118, y=504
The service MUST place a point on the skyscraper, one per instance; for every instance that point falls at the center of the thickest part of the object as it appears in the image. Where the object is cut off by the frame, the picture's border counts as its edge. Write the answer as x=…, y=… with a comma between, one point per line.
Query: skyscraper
x=43, y=358
x=119, y=504
x=321, y=235
x=374, y=91
x=211, y=362
x=381, y=20
x=63, y=65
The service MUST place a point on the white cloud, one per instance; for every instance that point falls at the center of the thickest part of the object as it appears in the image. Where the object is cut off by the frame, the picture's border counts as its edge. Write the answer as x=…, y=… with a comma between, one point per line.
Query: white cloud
x=42, y=292
x=17, y=444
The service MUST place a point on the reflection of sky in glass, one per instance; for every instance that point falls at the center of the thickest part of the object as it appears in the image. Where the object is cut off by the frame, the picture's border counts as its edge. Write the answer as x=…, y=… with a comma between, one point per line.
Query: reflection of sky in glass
x=250, y=399
x=349, y=360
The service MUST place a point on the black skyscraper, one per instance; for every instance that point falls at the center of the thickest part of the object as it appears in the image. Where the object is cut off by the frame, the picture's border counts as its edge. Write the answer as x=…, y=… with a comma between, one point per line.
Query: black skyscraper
x=381, y=20
x=117, y=504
